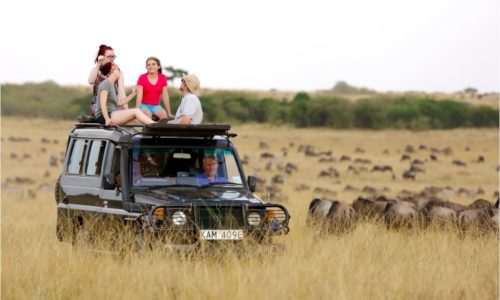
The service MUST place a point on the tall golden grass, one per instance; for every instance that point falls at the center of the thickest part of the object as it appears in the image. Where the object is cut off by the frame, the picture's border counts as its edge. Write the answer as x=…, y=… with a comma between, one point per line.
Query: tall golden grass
x=370, y=262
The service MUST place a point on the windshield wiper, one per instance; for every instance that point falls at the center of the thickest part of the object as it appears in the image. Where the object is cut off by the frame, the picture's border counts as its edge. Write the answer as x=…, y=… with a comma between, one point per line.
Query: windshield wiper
x=155, y=187
x=171, y=185
x=219, y=183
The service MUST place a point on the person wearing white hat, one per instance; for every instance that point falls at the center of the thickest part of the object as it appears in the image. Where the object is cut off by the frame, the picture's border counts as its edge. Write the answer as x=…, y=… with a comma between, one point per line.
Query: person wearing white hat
x=189, y=111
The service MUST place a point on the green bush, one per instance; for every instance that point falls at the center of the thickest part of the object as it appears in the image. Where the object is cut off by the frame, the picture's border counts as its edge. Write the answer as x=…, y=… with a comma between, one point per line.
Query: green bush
x=47, y=99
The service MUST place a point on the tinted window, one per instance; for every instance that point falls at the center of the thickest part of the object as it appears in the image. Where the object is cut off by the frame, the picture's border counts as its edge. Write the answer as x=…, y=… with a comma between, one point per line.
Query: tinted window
x=75, y=163
x=96, y=154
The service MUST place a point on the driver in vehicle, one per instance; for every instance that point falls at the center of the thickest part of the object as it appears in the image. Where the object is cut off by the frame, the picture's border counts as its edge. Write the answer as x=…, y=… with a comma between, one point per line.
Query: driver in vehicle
x=209, y=173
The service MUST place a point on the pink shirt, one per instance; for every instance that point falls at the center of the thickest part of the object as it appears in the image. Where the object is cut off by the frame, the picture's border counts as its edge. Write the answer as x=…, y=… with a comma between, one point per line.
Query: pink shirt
x=151, y=93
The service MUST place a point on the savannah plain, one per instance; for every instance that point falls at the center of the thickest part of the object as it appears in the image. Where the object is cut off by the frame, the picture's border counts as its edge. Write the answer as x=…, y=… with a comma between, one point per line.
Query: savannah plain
x=371, y=262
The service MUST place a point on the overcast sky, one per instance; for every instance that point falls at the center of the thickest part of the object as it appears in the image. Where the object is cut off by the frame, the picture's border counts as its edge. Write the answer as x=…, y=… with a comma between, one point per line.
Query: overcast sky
x=387, y=45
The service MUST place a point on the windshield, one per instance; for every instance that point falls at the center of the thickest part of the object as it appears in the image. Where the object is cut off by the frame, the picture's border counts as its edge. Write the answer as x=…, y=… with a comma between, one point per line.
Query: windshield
x=156, y=163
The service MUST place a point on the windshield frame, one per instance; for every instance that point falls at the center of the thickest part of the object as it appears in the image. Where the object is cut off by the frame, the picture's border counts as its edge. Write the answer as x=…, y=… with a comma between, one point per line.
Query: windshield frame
x=216, y=143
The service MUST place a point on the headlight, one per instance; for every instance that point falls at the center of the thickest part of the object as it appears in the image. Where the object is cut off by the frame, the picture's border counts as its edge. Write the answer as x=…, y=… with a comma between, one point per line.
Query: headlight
x=179, y=218
x=253, y=219
x=159, y=213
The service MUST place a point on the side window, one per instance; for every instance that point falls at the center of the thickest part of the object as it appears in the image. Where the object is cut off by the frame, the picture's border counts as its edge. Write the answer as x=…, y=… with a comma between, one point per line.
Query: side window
x=115, y=169
x=75, y=164
x=95, y=157
x=116, y=162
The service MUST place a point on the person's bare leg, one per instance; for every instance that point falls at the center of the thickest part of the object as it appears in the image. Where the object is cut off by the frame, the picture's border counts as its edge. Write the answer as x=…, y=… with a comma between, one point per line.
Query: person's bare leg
x=148, y=113
x=161, y=113
x=144, y=119
x=134, y=122
x=124, y=116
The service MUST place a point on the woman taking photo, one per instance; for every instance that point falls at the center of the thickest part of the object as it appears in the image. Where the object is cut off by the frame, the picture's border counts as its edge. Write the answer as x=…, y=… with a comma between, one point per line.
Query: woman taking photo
x=104, y=55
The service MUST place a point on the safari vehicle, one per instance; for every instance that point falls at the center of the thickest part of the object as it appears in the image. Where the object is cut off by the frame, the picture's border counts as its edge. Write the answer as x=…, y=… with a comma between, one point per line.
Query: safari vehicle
x=148, y=180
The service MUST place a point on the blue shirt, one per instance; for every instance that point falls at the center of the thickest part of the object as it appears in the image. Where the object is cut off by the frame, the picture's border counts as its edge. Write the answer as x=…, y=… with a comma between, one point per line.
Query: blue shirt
x=203, y=179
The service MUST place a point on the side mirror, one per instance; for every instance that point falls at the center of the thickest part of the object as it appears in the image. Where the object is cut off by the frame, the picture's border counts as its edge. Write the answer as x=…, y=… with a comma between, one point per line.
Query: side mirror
x=252, y=183
x=108, y=182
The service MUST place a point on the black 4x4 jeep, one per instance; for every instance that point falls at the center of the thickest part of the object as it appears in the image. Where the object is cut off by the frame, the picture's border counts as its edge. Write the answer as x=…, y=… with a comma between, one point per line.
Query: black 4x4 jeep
x=150, y=178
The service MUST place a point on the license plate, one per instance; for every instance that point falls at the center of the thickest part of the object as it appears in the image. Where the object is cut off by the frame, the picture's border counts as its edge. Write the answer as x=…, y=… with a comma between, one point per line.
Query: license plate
x=222, y=234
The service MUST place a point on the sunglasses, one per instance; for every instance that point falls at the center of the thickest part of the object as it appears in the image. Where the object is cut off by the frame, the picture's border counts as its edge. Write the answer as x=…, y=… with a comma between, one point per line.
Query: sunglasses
x=111, y=56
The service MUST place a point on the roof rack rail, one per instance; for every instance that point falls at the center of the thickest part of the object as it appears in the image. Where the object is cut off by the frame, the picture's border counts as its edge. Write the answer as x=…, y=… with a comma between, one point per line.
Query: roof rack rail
x=130, y=129
x=159, y=129
x=199, y=130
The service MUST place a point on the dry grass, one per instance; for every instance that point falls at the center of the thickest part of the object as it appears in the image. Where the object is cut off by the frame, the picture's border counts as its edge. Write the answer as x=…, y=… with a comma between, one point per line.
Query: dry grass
x=370, y=262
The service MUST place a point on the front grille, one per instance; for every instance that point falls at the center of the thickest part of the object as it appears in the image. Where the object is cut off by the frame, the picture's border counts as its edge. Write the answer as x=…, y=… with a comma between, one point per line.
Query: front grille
x=212, y=217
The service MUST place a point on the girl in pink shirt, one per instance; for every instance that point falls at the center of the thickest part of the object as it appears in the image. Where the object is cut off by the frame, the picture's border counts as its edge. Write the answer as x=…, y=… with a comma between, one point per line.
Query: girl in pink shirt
x=150, y=87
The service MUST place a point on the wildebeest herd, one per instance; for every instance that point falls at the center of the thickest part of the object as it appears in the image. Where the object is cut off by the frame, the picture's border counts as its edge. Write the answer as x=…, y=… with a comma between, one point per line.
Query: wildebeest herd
x=404, y=213
x=428, y=208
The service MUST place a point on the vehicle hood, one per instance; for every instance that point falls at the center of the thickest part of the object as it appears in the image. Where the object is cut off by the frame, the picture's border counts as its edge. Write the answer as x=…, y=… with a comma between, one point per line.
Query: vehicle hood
x=196, y=195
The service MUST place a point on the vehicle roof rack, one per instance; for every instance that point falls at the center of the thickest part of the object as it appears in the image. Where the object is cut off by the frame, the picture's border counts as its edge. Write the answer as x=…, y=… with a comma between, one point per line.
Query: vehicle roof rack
x=199, y=130
x=159, y=129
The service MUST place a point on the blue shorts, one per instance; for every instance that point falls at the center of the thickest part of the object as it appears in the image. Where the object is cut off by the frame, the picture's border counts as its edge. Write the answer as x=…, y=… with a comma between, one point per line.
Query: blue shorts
x=151, y=108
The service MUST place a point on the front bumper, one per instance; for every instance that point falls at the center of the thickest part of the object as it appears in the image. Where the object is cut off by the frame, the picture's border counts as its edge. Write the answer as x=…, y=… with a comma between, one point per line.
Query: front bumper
x=164, y=223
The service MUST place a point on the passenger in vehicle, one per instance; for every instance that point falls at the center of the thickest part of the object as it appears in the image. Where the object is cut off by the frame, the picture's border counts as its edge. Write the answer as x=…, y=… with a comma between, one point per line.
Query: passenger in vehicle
x=149, y=166
x=107, y=111
x=152, y=86
x=189, y=111
x=209, y=174
x=104, y=55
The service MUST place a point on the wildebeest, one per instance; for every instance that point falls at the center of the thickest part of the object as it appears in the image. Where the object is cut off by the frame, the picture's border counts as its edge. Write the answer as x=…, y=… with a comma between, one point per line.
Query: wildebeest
x=479, y=218
x=440, y=216
x=409, y=175
x=481, y=214
x=409, y=149
x=324, y=191
x=345, y=158
x=367, y=209
x=417, y=161
x=327, y=159
x=459, y=163
x=267, y=155
x=302, y=187
x=53, y=161
x=289, y=167
x=382, y=168
x=359, y=150
x=278, y=179
x=416, y=169
x=350, y=188
x=405, y=157
x=400, y=214
x=335, y=216
x=447, y=151
x=362, y=161
x=331, y=172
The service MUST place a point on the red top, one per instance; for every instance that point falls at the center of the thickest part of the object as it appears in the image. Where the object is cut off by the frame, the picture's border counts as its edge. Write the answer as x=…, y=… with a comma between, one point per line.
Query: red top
x=151, y=93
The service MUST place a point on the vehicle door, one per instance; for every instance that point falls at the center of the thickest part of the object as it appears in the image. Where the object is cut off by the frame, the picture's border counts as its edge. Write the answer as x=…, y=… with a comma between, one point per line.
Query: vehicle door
x=81, y=180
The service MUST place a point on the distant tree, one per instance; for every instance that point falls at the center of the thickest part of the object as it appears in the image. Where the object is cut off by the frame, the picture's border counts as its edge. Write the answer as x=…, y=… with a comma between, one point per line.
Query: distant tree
x=470, y=90
x=299, y=107
x=301, y=96
x=173, y=73
x=342, y=87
